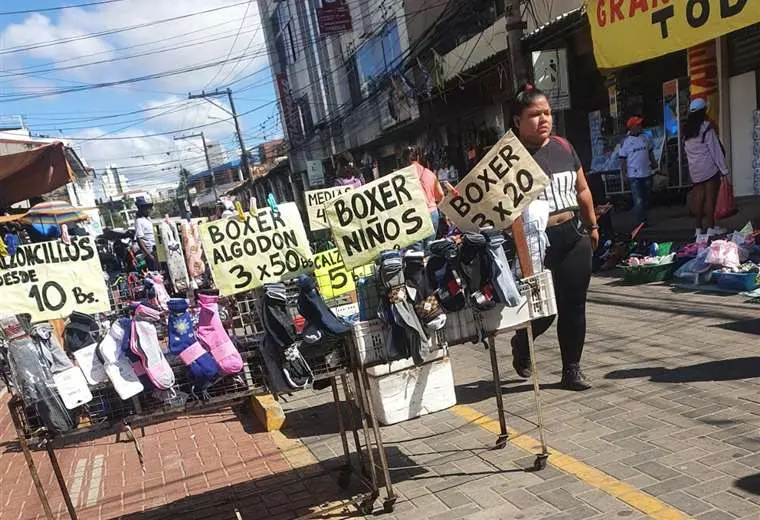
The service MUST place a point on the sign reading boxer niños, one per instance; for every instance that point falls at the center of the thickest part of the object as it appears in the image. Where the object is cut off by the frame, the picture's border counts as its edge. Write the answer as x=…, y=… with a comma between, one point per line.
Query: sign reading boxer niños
x=265, y=248
x=385, y=214
x=50, y=280
x=315, y=204
x=498, y=189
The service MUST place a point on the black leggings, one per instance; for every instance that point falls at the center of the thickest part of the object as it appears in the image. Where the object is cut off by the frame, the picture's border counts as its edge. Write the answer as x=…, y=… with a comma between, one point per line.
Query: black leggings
x=569, y=258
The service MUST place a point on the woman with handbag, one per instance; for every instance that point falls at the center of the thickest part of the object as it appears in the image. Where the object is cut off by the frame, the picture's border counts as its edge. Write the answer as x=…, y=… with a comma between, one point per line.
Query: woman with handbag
x=707, y=166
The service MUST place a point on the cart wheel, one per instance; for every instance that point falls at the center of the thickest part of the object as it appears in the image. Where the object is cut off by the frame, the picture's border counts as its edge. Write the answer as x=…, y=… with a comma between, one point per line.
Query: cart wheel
x=540, y=462
x=344, y=479
x=388, y=505
x=367, y=506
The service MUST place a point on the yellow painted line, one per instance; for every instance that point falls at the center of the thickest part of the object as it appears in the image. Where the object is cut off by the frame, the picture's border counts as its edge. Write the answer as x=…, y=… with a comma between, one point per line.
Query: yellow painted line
x=637, y=499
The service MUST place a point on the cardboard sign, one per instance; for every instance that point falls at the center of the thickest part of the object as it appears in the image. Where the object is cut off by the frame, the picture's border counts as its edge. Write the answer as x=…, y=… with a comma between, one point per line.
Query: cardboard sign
x=50, y=280
x=498, y=189
x=315, y=204
x=385, y=214
x=332, y=276
x=266, y=248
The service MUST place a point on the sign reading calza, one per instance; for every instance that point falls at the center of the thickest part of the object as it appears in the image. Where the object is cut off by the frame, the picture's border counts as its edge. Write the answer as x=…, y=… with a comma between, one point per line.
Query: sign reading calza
x=385, y=214
x=498, y=189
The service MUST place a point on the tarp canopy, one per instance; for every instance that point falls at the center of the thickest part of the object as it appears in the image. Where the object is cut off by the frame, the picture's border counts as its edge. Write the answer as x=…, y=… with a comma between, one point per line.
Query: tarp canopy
x=32, y=173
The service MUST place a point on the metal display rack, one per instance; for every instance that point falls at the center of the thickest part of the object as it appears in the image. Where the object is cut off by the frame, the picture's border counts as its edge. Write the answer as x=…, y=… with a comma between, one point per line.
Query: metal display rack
x=107, y=414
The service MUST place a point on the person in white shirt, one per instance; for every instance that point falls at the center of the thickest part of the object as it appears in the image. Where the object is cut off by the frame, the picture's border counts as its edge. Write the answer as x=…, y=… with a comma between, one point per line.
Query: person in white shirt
x=144, y=233
x=636, y=161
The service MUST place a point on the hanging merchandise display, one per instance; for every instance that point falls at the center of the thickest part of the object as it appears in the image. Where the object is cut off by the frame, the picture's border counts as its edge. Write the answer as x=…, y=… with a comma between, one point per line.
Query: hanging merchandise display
x=173, y=256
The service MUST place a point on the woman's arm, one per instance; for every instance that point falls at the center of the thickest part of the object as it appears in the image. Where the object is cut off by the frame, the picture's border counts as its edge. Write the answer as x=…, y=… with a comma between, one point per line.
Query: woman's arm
x=438, y=190
x=586, y=203
x=716, y=152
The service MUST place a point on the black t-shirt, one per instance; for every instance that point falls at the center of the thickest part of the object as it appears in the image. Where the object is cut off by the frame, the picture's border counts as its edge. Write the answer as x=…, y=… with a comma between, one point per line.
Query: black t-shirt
x=561, y=164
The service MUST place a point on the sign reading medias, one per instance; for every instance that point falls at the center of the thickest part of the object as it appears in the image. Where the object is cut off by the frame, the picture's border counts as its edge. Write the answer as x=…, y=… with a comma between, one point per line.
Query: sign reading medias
x=498, y=189
x=265, y=248
x=385, y=214
x=315, y=204
x=50, y=280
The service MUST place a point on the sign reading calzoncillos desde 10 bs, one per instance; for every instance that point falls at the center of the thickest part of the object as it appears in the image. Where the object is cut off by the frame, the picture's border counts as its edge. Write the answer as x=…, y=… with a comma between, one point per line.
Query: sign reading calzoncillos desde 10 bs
x=50, y=280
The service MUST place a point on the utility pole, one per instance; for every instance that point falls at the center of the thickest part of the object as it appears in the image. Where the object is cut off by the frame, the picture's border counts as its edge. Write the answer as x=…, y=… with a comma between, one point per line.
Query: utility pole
x=205, y=152
x=515, y=27
x=233, y=113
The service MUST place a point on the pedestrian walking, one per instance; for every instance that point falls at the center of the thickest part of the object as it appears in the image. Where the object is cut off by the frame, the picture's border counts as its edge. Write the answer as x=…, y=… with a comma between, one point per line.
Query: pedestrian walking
x=146, y=238
x=431, y=187
x=636, y=163
x=572, y=232
x=707, y=163
x=347, y=174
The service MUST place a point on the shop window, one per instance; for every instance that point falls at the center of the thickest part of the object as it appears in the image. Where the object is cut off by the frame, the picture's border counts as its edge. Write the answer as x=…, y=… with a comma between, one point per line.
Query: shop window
x=284, y=34
x=376, y=58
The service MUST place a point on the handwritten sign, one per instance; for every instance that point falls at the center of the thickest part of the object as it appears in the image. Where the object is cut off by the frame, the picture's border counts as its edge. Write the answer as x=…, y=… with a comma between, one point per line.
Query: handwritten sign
x=265, y=248
x=385, y=214
x=315, y=204
x=332, y=276
x=50, y=280
x=498, y=189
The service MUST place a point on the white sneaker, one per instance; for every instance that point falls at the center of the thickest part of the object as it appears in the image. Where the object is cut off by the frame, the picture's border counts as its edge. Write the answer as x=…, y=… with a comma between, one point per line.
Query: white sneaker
x=716, y=231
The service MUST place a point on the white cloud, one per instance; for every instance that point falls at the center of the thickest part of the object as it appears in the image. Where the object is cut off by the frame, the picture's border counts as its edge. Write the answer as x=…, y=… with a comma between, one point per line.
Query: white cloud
x=76, y=22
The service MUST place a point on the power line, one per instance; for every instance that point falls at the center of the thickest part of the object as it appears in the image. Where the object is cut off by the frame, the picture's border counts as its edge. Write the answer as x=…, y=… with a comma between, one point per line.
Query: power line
x=59, y=8
x=234, y=42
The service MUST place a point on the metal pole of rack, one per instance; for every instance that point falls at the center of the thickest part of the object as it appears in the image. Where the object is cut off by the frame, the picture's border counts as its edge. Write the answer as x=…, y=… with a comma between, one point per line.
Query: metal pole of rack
x=61, y=481
x=29, y=460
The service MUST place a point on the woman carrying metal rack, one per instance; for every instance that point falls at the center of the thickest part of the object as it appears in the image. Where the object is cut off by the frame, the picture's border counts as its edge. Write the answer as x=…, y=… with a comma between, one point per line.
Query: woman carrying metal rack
x=572, y=231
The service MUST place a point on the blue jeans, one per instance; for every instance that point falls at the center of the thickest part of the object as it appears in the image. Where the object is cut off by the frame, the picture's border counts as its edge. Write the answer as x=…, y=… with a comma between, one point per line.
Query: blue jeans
x=423, y=245
x=640, y=189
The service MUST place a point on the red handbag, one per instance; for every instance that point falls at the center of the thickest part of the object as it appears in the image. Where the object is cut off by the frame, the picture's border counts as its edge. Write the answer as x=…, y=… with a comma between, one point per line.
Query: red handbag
x=725, y=206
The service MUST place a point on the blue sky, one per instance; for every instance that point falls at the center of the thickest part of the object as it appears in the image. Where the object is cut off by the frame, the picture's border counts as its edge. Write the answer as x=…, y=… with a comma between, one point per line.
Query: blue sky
x=44, y=55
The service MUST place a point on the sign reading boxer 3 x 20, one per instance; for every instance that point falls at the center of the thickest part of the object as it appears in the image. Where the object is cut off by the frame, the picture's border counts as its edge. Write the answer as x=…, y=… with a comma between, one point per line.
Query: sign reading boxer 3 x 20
x=246, y=254
x=50, y=280
x=388, y=213
x=498, y=189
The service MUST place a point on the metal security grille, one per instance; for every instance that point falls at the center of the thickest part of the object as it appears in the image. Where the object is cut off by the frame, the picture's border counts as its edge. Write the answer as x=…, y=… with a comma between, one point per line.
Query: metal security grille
x=744, y=50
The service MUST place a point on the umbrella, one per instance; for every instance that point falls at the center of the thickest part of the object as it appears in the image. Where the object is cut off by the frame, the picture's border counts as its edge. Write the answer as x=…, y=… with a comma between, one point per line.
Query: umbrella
x=54, y=212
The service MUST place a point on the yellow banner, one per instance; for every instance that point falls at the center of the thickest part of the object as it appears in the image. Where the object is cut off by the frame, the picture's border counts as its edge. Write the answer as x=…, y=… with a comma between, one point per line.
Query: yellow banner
x=385, y=214
x=267, y=248
x=315, y=205
x=332, y=276
x=630, y=31
x=50, y=280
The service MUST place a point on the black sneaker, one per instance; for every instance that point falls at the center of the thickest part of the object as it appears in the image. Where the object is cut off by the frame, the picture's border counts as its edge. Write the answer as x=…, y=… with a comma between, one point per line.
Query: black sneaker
x=573, y=379
x=521, y=361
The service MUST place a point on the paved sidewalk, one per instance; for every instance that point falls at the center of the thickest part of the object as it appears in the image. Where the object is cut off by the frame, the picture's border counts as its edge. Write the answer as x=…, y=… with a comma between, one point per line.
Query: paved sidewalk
x=205, y=467
x=669, y=431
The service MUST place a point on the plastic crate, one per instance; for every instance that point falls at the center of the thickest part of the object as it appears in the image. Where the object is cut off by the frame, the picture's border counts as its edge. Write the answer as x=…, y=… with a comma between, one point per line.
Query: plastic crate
x=639, y=274
x=736, y=281
x=370, y=337
x=539, y=289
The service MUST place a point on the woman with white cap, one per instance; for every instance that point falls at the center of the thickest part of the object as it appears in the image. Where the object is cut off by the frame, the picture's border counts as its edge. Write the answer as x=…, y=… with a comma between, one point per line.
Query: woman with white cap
x=707, y=163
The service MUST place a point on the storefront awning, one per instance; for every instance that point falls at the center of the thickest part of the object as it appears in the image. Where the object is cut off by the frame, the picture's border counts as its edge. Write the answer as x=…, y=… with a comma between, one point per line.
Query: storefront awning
x=629, y=32
x=474, y=51
x=32, y=173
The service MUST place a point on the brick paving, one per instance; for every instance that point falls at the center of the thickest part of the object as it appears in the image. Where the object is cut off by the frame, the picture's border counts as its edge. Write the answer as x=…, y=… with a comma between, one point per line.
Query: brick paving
x=215, y=466
x=674, y=413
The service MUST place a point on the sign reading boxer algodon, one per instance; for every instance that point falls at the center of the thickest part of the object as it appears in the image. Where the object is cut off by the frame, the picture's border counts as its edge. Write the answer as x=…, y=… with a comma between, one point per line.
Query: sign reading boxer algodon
x=265, y=248
x=50, y=280
x=385, y=214
x=498, y=189
x=315, y=204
